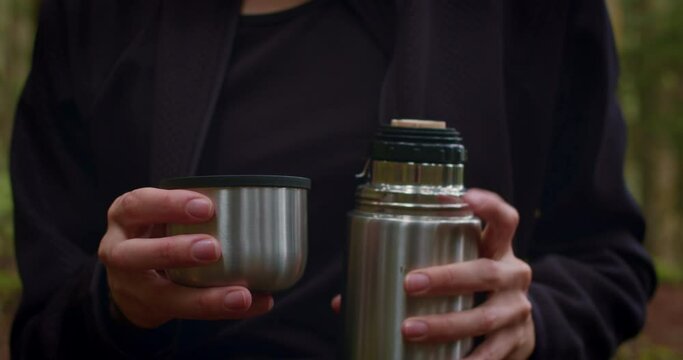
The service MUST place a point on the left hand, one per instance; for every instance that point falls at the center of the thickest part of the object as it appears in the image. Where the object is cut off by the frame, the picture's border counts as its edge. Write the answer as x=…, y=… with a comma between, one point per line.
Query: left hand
x=505, y=317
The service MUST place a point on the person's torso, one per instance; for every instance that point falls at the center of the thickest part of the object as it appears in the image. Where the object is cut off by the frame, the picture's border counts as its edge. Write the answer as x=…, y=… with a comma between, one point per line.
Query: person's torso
x=300, y=98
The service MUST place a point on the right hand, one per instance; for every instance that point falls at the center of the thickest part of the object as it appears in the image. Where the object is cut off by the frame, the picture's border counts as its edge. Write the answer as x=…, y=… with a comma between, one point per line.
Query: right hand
x=134, y=246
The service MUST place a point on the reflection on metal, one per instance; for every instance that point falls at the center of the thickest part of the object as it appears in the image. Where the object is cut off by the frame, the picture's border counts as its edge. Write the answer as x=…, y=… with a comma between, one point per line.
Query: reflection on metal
x=263, y=236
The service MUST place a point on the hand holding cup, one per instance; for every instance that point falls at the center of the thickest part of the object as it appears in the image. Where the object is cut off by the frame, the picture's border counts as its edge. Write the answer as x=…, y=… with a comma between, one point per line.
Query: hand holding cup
x=135, y=246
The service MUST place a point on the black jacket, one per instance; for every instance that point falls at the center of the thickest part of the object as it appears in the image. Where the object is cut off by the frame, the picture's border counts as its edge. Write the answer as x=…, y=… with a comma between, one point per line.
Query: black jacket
x=121, y=93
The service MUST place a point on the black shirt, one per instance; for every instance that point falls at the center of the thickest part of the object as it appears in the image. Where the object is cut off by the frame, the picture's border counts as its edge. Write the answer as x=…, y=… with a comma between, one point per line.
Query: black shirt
x=300, y=98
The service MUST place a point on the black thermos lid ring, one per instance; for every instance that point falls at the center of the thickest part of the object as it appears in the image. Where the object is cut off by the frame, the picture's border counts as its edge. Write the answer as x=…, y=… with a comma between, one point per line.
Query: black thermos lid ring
x=419, y=145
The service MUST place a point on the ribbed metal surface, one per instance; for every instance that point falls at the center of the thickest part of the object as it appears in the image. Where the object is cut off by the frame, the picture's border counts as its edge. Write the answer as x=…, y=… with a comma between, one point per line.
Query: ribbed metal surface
x=383, y=248
x=263, y=234
x=397, y=173
x=408, y=216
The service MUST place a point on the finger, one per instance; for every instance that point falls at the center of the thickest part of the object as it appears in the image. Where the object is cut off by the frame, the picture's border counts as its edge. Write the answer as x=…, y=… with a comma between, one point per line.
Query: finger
x=481, y=275
x=500, y=310
x=514, y=343
x=161, y=253
x=501, y=218
x=498, y=345
x=526, y=341
x=232, y=302
x=336, y=303
x=149, y=300
x=154, y=206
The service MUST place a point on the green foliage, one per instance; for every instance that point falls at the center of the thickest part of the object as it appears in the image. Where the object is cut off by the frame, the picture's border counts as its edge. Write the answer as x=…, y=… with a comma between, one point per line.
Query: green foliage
x=652, y=63
x=6, y=233
x=651, y=93
x=9, y=283
x=668, y=273
x=17, y=28
x=643, y=349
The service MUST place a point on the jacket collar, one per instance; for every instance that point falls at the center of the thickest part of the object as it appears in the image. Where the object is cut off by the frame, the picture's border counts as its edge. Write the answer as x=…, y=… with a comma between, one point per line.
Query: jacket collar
x=194, y=47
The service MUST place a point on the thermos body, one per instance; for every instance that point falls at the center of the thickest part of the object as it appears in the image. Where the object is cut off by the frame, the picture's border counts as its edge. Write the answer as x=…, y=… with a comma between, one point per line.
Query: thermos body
x=409, y=215
x=381, y=251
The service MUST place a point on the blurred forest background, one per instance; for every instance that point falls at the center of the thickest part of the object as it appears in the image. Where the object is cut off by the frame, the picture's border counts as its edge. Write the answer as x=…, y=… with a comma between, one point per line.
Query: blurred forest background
x=650, y=38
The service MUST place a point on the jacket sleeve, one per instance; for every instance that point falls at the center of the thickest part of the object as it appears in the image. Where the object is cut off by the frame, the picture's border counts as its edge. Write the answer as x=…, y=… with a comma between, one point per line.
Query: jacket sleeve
x=64, y=310
x=592, y=276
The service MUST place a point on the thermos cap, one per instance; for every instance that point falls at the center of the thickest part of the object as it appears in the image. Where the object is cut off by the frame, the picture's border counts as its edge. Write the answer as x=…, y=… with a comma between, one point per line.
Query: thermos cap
x=436, y=145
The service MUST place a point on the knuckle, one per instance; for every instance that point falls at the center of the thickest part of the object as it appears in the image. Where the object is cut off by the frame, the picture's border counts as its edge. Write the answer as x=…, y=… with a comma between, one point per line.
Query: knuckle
x=102, y=249
x=525, y=274
x=450, y=277
x=115, y=207
x=204, y=305
x=512, y=216
x=108, y=241
x=165, y=198
x=488, y=319
x=103, y=255
x=115, y=257
x=491, y=273
x=130, y=202
x=525, y=308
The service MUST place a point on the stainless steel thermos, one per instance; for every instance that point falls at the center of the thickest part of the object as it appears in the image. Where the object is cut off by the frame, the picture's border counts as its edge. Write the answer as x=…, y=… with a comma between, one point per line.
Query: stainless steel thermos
x=408, y=215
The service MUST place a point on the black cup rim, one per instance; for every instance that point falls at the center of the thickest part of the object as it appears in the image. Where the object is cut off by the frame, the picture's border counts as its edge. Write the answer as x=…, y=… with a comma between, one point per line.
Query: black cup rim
x=221, y=181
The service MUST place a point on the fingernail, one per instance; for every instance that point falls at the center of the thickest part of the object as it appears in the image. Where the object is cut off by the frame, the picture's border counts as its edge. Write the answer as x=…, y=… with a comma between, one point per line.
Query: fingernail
x=414, y=329
x=199, y=208
x=417, y=282
x=205, y=250
x=235, y=300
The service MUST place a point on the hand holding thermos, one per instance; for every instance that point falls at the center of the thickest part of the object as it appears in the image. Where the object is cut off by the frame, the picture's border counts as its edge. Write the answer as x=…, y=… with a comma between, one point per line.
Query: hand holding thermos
x=505, y=317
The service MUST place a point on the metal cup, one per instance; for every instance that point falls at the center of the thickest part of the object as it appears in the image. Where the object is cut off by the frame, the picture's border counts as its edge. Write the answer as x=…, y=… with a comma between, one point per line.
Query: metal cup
x=261, y=224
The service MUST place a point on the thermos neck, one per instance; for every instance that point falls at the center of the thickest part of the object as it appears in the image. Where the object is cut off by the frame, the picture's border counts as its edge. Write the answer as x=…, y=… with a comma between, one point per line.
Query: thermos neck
x=416, y=174
x=415, y=171
x=406, y=188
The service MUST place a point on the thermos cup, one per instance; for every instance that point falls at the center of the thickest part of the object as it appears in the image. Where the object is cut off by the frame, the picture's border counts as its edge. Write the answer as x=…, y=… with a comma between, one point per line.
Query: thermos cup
x=408, y=215
x=261, y=224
